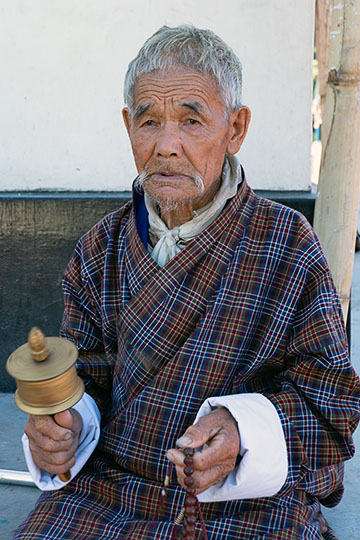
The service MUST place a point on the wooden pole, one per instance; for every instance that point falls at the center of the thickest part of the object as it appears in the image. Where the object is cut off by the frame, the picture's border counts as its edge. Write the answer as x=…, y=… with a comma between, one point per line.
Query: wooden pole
x=337, y=203
x=332, y=31
x=322, y=29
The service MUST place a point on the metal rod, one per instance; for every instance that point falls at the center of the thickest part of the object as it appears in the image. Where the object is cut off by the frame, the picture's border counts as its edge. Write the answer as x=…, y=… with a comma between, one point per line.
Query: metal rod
x=21, y=478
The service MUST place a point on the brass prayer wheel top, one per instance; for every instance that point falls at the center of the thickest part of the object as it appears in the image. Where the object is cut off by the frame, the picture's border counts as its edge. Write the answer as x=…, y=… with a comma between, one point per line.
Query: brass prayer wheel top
x=37, y=344
x=46, y=379
x=61, y=354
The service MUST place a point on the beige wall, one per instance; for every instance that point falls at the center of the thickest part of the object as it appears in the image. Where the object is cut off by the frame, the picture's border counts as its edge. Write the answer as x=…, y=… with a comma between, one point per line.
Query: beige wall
x=62, y=68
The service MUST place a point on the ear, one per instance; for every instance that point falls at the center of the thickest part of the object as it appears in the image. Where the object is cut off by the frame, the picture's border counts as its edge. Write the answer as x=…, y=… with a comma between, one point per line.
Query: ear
x=127, y=119
x=240, y=121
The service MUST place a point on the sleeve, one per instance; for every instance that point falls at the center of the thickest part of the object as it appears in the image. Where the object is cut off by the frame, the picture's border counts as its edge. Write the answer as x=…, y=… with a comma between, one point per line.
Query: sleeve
x=263, y=466
x=82, y=321
x=296, y=424
x=82, y=324
x=317, y=392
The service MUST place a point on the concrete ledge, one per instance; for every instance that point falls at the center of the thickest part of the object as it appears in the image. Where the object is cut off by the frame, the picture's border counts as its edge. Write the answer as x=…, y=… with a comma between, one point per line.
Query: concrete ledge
x=41, y=195
x=37, y=238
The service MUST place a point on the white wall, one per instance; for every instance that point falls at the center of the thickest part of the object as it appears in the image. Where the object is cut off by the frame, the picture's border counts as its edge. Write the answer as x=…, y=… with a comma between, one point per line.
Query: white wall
x=62, y=69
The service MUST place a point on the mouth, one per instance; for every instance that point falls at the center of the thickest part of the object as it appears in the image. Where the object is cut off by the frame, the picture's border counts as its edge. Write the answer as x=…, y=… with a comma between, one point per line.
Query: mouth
x=163, y=176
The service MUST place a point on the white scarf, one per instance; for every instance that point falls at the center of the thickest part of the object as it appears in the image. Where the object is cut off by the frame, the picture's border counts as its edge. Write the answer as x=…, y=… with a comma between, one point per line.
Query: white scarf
x=172, y=241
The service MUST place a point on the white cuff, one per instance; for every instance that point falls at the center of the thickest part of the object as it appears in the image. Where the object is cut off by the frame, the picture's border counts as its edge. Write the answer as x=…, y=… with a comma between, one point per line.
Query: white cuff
x=263, y=468
x=88, y=440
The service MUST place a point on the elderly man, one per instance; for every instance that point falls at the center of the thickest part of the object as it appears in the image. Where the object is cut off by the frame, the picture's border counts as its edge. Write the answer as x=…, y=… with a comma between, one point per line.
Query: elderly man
x=205, y=318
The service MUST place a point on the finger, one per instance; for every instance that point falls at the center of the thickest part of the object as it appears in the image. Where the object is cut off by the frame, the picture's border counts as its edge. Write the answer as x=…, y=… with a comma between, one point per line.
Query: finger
x=176, y=457
x=193, y=437
x=198, y=434
x=220, y=431
x=54, y=463
x=52, y=452
x=223, y=447
x=205, y=479
x=207, y=428
x=210, y=466
x=46, y=444
x=55, y=458
x=47, y=427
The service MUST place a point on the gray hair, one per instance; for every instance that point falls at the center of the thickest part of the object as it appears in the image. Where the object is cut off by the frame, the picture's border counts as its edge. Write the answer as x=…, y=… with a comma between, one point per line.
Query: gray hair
x=196, y=49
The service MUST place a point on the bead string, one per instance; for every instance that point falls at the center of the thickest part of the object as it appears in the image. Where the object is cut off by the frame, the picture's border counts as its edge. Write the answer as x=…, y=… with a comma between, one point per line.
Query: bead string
x=187, y=517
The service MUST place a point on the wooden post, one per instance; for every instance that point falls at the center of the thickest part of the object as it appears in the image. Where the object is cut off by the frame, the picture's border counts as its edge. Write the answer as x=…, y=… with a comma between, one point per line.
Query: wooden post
x=331, y=29
x=322, y=29
x=336, y=207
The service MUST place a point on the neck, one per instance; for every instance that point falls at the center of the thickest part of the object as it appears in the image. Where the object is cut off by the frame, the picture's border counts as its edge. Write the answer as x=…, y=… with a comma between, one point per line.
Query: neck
x=174, y=217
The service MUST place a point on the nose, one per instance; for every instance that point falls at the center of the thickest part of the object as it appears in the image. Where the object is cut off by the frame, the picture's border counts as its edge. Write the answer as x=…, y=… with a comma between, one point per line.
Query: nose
x=168, y=143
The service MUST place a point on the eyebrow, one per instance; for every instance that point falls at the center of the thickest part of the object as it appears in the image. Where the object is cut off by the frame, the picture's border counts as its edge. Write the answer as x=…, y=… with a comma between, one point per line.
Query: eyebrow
x=140, y=110
x=196, y=107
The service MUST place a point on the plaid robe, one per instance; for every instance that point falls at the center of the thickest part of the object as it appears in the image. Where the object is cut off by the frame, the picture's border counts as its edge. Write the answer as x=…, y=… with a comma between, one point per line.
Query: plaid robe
x=247, y=306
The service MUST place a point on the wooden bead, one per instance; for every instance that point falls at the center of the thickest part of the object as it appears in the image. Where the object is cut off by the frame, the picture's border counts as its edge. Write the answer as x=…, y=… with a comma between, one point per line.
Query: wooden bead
x=190, y=501
x=190, y=510
x=189, y=481
x=189, y=520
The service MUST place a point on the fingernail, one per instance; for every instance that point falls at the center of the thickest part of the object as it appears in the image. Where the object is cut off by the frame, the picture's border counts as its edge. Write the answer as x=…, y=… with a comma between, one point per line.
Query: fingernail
x=184, y=441
x=67, y=436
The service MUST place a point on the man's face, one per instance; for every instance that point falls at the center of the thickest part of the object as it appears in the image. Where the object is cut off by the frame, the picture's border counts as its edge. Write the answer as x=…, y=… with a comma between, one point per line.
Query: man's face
x=179, y=129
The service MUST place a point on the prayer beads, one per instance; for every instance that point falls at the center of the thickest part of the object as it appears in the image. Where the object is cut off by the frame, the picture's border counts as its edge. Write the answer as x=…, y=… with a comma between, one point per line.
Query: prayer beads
x=189, y=521
x=185, y=524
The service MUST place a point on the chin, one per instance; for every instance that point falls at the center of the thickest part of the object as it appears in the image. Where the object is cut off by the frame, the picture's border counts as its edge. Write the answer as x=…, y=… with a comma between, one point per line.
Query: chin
x=171, y=195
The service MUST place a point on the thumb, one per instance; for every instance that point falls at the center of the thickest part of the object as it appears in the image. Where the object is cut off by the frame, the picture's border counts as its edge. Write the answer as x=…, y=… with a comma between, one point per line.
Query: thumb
x=65, y=419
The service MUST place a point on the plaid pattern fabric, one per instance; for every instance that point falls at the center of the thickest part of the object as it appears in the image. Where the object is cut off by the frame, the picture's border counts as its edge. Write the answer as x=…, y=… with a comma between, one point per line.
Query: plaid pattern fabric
x=248, y=306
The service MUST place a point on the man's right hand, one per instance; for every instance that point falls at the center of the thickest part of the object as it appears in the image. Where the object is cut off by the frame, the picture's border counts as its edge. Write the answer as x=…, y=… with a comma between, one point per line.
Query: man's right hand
x=54, y=440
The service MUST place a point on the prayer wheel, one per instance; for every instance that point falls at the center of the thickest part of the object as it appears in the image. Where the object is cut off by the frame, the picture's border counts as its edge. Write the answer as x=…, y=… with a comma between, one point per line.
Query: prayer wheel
x=45, y=374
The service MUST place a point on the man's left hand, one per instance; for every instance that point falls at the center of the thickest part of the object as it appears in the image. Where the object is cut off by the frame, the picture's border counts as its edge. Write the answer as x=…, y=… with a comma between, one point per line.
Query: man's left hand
x=217, y=433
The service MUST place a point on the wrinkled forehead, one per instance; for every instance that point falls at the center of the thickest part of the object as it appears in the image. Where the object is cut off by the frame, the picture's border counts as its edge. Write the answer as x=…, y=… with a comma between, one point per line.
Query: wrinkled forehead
x=175, y=85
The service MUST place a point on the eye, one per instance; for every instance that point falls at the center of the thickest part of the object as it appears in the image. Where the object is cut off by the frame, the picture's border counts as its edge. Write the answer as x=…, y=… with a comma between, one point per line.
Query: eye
x=149, y=123
x=192, y=121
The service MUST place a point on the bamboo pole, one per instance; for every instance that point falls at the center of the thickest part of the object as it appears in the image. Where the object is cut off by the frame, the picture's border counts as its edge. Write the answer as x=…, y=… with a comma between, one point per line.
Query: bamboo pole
x=336, y=207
